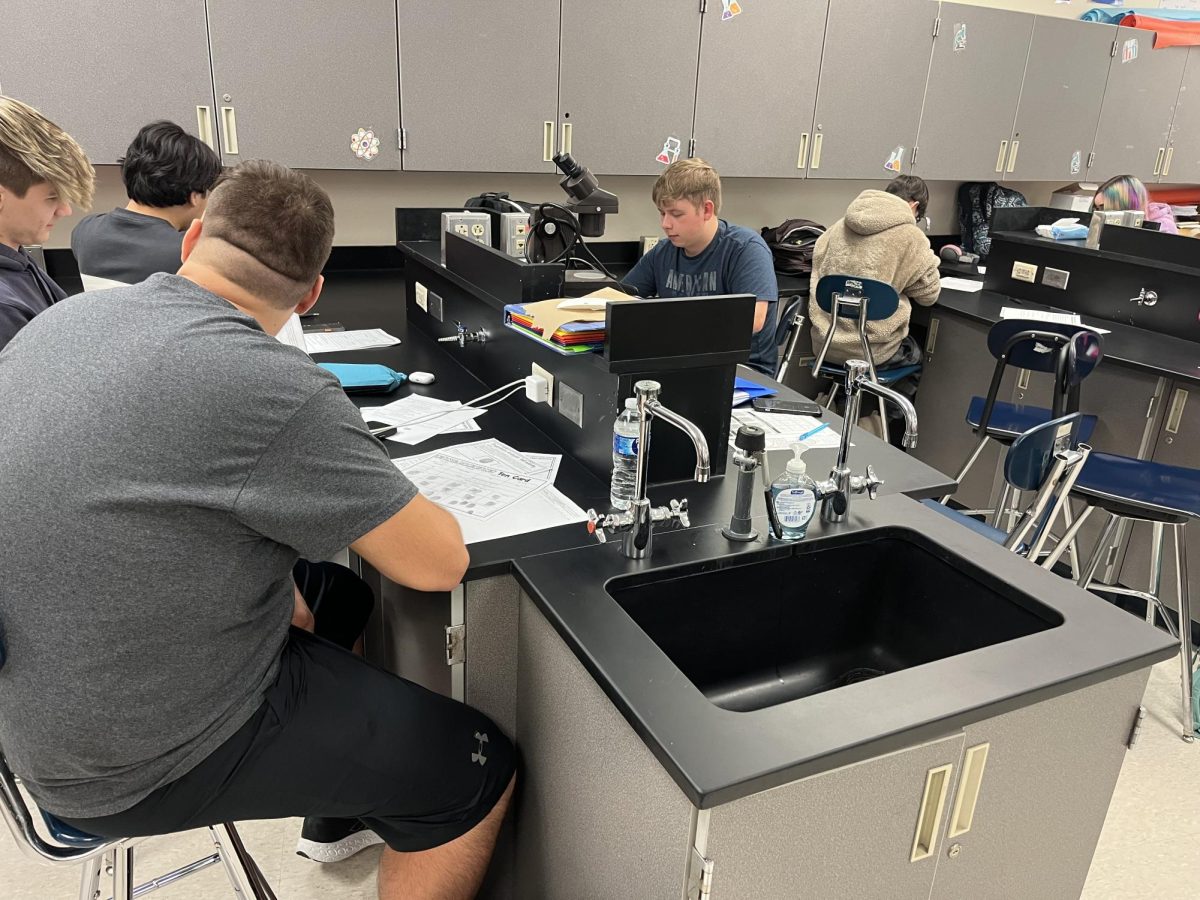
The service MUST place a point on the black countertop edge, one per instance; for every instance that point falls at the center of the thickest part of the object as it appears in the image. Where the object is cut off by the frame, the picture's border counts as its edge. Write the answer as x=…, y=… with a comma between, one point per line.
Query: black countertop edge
x=1125, y=345
x=1080, y=247
x=717, y=756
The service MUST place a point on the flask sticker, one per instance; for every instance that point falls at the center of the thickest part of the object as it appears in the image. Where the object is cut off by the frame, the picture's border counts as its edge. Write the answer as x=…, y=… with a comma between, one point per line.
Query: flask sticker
x=670, y=151
x=729, y=9
x=1076, y=162
x=364, y=144
x=895, y=161
x=960, y=37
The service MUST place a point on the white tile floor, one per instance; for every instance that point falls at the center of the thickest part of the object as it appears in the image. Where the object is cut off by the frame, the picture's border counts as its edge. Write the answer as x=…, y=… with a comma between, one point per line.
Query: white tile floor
x=1150, y=847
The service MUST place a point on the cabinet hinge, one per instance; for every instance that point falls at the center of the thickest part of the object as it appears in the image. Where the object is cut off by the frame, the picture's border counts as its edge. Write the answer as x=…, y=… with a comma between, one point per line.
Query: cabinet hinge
x=402, y=138
x=1091, y=158
x=691, y=148
x=913, y=160
x=456, y=644
x=703, y=6
x=1137, y=726
x=700, y=880
x=1113, y=51
x=937, y=26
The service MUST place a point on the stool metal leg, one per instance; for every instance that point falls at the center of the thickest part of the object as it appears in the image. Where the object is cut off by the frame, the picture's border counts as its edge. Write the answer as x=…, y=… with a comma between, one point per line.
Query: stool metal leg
x=1102, y=545
x=1185, y=633
x=1156, y=558
x=1068, y=540
x=962, y=473
x=89, y=884
x=1001, y=506
x=123, y=882
x=244, y=875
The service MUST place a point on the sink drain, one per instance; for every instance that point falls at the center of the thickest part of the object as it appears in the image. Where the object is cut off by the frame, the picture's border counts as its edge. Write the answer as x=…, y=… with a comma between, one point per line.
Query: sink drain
x=860, y=674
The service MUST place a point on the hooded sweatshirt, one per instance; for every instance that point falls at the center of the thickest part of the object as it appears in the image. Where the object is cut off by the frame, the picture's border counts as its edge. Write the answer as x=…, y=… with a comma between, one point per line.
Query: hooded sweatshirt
x=878, y=238
x=25, y=291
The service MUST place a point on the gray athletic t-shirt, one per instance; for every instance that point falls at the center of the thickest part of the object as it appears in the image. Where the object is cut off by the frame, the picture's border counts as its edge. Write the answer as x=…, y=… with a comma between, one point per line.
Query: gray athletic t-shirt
x=126, y=246
x=164, y=464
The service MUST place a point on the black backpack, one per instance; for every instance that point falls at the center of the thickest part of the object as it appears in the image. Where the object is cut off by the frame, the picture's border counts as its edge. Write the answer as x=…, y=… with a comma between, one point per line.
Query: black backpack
x=792, y=245
x=976, y=202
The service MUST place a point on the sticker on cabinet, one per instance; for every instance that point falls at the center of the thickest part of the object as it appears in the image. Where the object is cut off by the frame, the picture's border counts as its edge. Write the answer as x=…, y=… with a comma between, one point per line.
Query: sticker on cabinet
x=670, y=151
x=895, y=161
x=729, y=9
x=1076, y=162
x=960, y=37
x=364, y=144
x=1129, y=51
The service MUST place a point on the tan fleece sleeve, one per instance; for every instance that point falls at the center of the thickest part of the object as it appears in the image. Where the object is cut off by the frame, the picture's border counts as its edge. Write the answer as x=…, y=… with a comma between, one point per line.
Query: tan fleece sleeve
x=925, y=285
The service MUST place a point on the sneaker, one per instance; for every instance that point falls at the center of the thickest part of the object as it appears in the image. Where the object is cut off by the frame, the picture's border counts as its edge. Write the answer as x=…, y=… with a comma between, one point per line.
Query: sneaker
x=332, y=840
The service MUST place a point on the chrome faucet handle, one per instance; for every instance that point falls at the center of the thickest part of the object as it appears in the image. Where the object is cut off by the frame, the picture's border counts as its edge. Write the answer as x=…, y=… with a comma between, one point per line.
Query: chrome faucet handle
x=872, y=482
x=618, y=521
x=678, y=509
x=595, y=525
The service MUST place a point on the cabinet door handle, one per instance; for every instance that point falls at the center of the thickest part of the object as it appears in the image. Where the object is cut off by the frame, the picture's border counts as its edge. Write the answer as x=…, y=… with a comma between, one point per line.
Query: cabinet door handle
x=229, y=138
x=818, y=139
x=1167, y=161
x=968, y=790
x=1023, y=380
x=931, y=340
x=204, y=125
x=1000, y=158
x=547, y=142
x=1012, y=156
x=802, y=157
x=1175, y=414
x=929, y=819
x=1158, y=160
x=565, y=145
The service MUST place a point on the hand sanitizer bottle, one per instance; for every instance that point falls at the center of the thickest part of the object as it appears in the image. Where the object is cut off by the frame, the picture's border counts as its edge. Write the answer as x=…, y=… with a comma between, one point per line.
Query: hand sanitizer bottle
x=794, y=497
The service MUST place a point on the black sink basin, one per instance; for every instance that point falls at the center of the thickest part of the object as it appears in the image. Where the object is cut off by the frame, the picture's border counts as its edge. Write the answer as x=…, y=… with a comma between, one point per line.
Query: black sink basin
x=757, y=630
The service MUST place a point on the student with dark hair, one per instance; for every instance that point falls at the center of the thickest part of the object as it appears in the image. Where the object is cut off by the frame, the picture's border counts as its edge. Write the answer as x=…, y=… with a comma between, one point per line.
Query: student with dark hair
x=168, y=174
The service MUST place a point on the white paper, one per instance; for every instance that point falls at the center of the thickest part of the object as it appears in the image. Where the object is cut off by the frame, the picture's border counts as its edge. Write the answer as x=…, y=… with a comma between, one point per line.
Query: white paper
x=961, y=284
x=362, y=339
x=419, y=418
x=1037, y=315
x=784, y=429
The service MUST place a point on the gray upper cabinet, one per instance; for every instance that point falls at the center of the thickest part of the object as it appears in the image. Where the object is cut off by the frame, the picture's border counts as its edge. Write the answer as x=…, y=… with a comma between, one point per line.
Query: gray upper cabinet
x=1182, y=165
x=127, y=65
x=1060, y=100
x=745, y=138
x=467, y=113
x=1139, y=103
x=303, y=83
x=974, y=85
x=873, y=74
x=627, y=82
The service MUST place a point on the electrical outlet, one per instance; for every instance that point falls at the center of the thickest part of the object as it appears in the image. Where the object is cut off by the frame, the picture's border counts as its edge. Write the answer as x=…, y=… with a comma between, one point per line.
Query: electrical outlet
x=648, y=242
x=1022, y=271
x=1055, y=278
x=461, y=228
x=570, y=403
x=422, y=296
x=477, y=230
x=519, y=246
x=435, y=305
x=545, y=373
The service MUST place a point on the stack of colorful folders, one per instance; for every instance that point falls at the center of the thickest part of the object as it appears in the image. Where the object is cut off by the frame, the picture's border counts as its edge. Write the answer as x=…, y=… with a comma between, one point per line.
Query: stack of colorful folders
x=566, y=325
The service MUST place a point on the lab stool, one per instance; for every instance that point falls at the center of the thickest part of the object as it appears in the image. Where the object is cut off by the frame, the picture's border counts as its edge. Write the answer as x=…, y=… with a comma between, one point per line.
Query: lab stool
x=871, y=301
x=1162, y=495
x=74, y=847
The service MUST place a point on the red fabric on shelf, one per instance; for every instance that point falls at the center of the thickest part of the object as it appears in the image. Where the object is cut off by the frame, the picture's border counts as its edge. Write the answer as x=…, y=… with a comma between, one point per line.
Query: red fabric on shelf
x=1168, y=32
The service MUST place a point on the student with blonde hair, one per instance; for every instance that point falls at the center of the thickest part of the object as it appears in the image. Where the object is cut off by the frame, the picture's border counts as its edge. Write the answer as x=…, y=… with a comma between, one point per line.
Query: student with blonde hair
x=43, y=172
x=705, y=255
x=1128, y=192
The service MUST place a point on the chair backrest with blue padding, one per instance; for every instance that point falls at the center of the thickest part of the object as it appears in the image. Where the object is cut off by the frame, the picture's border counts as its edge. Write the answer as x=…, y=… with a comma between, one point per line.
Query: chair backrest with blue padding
x=882, y=299
x=1031, y=456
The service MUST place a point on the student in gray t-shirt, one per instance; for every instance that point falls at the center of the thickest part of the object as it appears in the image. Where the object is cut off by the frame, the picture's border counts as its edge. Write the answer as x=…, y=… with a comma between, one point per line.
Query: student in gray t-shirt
x=166, y=462
x=168, y=174
x=704, y=255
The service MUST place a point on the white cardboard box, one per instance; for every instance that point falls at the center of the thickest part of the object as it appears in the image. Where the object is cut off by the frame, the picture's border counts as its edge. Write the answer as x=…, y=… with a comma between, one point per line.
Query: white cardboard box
x=1076, y=197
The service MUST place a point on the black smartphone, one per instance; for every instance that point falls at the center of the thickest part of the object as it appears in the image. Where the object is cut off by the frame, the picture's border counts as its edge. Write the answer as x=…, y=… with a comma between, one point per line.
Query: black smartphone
x=380, y=429
x=795, y=407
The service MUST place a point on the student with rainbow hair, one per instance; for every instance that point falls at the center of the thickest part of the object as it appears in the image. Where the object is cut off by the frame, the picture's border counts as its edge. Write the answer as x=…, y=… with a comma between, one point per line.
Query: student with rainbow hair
x=1128, y=192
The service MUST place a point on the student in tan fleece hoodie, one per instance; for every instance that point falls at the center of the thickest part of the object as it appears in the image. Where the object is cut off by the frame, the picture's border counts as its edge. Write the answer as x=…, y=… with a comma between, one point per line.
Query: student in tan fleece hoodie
x=878, y=238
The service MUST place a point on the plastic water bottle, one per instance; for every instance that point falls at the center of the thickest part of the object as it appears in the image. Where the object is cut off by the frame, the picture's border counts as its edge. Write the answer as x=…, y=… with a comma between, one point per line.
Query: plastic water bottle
x=794, y=498
x=625, y=453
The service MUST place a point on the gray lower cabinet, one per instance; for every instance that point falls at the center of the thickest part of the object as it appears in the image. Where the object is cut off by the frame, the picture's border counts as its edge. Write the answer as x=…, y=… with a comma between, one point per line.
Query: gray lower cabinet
x=1060, y=101
x=1139, y=105
x=1174, y=444
x=102, y=71
x=1182, y=165
x=627, y=83
x=873, y=74
x=742, y=138
x=956, y=366
x=311, y=85
x=491, y=104
x=971, y=100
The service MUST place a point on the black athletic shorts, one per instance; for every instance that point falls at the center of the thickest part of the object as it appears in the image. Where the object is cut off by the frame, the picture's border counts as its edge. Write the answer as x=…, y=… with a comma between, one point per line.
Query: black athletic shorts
x=339, y=737
x=339, y=600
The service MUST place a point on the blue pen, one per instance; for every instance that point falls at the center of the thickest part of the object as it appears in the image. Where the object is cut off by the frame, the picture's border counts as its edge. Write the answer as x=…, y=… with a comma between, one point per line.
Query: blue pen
x=809, y=434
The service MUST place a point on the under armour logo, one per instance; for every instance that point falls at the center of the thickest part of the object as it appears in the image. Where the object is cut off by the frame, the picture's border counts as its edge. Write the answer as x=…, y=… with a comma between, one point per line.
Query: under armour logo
x=479, y=757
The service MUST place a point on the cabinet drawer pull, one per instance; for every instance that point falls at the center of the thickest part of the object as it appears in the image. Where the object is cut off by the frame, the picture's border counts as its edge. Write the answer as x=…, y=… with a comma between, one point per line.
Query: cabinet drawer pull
x=204, y=125
x=968, y=790
x=1167, y=161
x=802, y=158
x=1012, y=155
x=229, y=138
x=1000, y=158
x=1175, y=415
x=1159, y=159
x=818, y=139
x=547, y=142
x=931, y=340
x=929, y=819
x=565, y=145
x=1023, y=380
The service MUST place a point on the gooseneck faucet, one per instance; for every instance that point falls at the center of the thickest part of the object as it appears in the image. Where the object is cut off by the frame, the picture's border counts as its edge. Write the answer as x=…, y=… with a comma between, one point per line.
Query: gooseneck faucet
x=841, y=484
x=637, y=522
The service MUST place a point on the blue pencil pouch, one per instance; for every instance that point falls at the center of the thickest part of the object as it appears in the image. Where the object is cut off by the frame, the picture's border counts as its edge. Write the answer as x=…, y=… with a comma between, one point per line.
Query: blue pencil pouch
x=366, y=378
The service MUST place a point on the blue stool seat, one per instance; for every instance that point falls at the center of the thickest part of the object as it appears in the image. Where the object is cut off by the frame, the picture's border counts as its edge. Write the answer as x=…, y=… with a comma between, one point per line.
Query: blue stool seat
x=1140, y=489
x=68, y=835
x=983, y=528
x=1010, y=420
x=885, y=376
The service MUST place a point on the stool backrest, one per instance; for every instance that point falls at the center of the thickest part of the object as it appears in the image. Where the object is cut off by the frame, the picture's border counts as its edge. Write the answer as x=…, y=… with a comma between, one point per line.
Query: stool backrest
x=1031, y=456
x=880, y=298
x=1046, y=459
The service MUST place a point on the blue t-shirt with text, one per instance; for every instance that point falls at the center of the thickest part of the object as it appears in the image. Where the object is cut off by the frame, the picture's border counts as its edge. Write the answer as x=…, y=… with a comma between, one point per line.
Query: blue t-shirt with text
x=737, y=261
